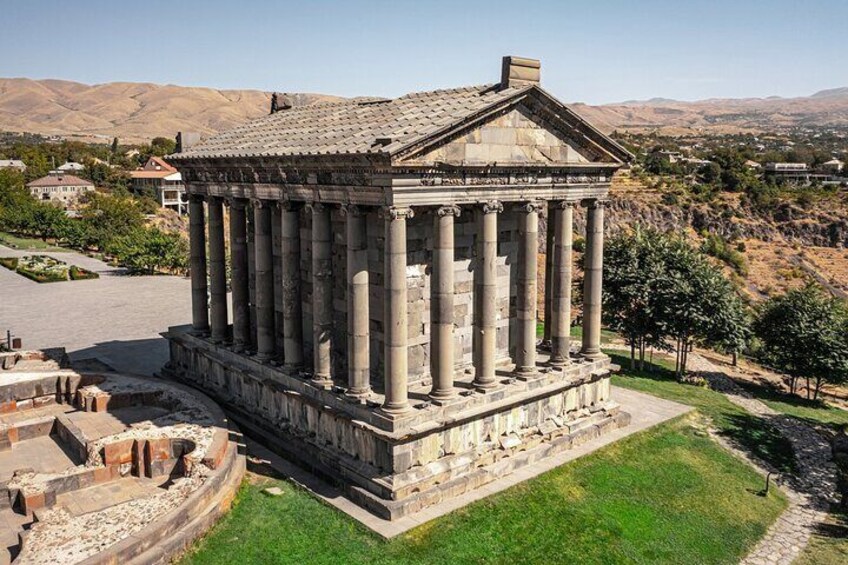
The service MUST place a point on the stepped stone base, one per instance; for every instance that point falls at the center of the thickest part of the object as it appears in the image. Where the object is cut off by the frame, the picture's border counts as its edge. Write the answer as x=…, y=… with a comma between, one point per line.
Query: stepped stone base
x=396, y=466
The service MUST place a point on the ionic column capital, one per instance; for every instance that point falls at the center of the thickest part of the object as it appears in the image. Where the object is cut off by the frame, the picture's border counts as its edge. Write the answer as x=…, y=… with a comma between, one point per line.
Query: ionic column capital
x=595, y=203
x=197, y=198
x=451, y=210
x=236, y=203
x=493, y=207
x=260, y=204
x=529, y=207
x=288, y=205
x=316, y=206
x=563, y=204
x=396, y=213
x=354, y=210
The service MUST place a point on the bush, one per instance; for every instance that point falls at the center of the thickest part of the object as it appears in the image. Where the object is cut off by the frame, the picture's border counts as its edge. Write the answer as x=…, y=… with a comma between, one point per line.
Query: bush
x=716, y=246
x=80, y=274
x=10, y=263
x=43, y=276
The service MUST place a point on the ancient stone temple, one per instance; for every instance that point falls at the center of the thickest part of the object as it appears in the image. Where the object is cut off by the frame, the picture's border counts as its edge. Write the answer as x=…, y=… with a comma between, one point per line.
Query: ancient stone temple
x=383, y=266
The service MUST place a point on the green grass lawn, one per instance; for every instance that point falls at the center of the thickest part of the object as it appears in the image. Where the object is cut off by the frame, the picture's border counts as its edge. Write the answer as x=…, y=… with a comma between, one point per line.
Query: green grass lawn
x=26, y=243
x=577, y=332
x=667, y=495
x=731, y=421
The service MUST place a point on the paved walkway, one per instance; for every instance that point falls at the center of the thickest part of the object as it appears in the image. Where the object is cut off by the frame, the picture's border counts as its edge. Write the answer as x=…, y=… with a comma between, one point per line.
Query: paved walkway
x=115, y=318
x=810, y=491
x=646, y=411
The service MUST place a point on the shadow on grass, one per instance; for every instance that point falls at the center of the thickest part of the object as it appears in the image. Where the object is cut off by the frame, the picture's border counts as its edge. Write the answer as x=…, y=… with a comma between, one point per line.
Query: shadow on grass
x=812, y=412
x=754, y=434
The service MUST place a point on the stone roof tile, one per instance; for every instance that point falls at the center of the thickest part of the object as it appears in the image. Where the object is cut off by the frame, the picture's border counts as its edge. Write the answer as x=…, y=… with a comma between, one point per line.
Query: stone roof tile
x=351, y=126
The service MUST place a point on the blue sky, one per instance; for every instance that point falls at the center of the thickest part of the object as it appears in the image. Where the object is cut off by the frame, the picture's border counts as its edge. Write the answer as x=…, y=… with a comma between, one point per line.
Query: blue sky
x=594, y=51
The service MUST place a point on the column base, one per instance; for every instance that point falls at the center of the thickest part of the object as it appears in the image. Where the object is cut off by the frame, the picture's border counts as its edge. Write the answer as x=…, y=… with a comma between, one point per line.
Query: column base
x=322, y=381
x=442, y=397
x=359, y=395
x=487, y=386
x=592, y=354
x=395, y=411
x=526, y=373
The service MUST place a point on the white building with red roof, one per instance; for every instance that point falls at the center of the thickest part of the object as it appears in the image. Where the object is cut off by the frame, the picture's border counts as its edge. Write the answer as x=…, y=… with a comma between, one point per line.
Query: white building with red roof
x=163, y=182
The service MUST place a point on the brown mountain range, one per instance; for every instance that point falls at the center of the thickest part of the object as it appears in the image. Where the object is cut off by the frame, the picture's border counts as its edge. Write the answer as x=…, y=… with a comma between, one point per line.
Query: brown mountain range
x=140, y=111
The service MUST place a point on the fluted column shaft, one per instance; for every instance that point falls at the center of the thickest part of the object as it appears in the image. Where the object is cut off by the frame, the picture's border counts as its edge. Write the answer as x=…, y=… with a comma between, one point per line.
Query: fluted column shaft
x=276, y=243
x=358, y=311
x=197, y=259
x=322, y=295
x=442, y=304
x=264, y=282
x=562, y=272
x=592, y=282
x=486, y=296
x=217, y=270
x=528, y=235
x=395, y=311
x=239, y=274
x=292, y=303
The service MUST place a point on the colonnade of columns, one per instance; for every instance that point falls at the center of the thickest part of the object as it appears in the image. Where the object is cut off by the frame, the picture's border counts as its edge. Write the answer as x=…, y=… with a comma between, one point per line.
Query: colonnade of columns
x=259, y=335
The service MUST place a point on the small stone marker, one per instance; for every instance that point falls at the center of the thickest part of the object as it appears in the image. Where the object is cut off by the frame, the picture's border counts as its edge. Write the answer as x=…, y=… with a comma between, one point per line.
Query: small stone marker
x=273, y=491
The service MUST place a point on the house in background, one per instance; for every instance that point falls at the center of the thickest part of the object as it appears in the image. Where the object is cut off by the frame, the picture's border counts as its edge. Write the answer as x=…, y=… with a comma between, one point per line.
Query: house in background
x=71, y=167
x=834, y=166
x=16, y=164
x=161, y=181
x=60, y=187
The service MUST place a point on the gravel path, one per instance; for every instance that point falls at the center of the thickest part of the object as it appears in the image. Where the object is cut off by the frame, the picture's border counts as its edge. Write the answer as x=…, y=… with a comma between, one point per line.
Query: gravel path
x=810, y=491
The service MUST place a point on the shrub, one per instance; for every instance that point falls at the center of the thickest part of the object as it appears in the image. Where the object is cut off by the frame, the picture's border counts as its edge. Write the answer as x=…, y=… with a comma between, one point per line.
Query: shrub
x=80, y=274
x=42, y=268
x=10, y=263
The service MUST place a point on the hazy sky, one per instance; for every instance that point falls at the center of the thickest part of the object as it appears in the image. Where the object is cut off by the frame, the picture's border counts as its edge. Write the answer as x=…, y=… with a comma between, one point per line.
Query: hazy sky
x=592, y=51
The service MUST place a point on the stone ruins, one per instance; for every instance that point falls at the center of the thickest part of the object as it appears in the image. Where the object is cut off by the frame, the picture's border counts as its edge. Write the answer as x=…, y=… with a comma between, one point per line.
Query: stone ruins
x=383, y=262
x=100, y=467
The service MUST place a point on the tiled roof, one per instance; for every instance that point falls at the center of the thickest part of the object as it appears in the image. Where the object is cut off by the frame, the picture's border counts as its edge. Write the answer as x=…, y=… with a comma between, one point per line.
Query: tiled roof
x=365, y=125
x=60, y=180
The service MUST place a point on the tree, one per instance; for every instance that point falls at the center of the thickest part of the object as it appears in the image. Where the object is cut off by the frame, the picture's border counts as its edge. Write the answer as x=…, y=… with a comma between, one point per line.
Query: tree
x=148, y=250
x=110, y=217
x=804, y=333
x=114, y=147
x=632, y=265
x=660, y=291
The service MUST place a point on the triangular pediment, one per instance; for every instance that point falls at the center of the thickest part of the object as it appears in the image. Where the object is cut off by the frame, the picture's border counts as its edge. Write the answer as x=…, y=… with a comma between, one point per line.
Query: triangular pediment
x=533, y=130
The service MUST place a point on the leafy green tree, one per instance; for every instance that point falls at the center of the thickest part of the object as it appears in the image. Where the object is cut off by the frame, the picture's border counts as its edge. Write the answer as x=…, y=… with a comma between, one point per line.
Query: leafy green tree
x=110, y=217
x=149, y=250
x=804, y=333
x=632, y=265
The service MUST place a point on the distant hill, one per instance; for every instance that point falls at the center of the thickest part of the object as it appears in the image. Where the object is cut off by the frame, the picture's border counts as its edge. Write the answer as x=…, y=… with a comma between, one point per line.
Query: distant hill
x=130, y=111
x=141, y=111
x=673, y=117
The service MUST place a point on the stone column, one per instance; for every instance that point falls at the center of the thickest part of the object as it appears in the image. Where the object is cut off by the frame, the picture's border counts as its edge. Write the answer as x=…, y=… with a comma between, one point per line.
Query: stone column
x=264, y=282
x=563, y=225
x=217, y=270
x=276, y=242
x=358, y=311
x=486, y=296
x=292, y=303
x=395, y=311
x=528, y=249
x=549, y=272
x=322, y=295
x=592, y=282
x=251, y=274
x=239, y=274
x=442, y=311
x=197, y=257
